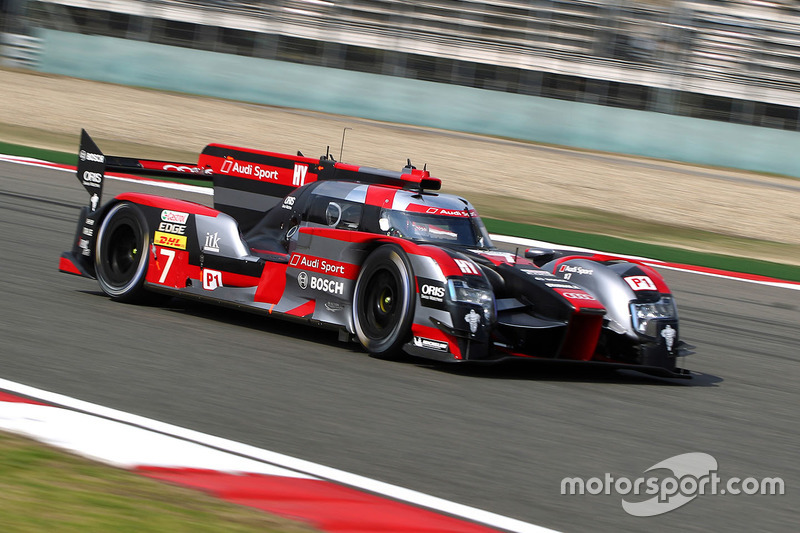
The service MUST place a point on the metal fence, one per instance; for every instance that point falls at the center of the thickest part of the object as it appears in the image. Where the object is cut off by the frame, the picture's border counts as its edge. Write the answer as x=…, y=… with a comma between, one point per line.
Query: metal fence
x=724, y=60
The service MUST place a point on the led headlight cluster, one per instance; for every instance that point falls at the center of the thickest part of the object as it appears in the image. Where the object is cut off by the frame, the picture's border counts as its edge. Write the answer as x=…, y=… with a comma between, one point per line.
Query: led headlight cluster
x=643, y=314
x=460, y=291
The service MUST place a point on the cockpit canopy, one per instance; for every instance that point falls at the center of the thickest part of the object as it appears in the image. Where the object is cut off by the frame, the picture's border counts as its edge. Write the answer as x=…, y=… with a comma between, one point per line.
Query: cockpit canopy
x=421, y=217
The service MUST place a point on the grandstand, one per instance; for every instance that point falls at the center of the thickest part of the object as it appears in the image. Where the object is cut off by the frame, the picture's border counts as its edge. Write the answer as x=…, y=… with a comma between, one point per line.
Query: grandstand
x=734, y=60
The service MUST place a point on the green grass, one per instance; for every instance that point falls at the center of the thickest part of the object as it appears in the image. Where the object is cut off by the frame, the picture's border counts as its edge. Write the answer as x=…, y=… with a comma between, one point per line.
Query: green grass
x=627, y=236
x=47, y=489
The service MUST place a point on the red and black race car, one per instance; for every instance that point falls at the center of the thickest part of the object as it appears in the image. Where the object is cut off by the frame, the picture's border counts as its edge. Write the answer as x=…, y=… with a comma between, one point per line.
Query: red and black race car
x=376, y=254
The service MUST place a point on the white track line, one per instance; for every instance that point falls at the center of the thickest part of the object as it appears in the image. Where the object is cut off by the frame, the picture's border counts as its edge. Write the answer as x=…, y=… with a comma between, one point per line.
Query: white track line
x=280, y=460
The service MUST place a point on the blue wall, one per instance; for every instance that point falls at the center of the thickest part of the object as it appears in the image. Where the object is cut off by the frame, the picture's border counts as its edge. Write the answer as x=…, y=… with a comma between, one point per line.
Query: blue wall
x=422, y=103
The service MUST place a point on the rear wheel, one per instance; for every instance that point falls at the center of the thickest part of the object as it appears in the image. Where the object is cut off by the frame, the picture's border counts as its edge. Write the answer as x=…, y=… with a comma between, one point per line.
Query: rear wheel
x=121, y=253
x=383, y=302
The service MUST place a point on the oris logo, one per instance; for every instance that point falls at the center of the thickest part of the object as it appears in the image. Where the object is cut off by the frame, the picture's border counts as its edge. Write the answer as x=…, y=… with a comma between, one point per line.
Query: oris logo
x=92, y=179
x=432, y=290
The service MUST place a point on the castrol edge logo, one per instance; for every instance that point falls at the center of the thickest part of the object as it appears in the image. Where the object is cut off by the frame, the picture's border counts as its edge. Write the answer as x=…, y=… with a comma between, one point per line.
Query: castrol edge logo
x=175, y=217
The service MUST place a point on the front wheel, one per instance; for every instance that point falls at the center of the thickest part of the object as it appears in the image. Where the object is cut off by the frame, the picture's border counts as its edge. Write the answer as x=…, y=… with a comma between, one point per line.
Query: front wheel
x=121, y=253
x=383, y=302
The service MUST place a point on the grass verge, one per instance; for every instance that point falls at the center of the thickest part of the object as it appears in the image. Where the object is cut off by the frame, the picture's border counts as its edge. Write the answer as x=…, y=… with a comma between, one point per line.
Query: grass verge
x=45, y=489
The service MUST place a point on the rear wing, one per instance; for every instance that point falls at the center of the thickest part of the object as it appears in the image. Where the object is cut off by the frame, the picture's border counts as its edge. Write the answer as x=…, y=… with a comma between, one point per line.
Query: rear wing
x=247, y=182
x=93, y=165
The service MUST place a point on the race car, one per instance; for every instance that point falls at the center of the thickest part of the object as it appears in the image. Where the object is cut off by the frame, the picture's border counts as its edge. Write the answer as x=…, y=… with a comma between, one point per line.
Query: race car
x=378, y=255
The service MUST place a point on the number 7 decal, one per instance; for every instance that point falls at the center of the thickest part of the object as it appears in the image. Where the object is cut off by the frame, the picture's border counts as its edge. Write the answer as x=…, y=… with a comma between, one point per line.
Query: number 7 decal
x=170, y=258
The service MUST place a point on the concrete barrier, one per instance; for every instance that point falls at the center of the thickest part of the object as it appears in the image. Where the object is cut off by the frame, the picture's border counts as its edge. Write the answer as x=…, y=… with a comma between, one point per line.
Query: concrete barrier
x=421, y=103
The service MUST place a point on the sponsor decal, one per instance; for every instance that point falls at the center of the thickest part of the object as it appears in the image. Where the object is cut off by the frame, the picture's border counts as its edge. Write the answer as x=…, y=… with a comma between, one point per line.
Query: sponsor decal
x=171, y=241
x=577, y=296
x=571, y=269
x=430, y=344
x=473, y=319
x=212, y=279
x=169, y=227
x=534, y=272
x=569, y=286
x=92, y=179
x=443, y=212
x=299, y=177
x=88, y=156
x=315, y=283
x=288, y=202
x=431, y=292
x=641, y=283
x=93, y=201
x=231, y=166
x=183, y=168
x=83, y=244
x=327, y=285
x=212, y=242
x=89, y=232
x=467, y=267
x=176, y=217
x=334, y=306
x=324, y=266
x=669, y=335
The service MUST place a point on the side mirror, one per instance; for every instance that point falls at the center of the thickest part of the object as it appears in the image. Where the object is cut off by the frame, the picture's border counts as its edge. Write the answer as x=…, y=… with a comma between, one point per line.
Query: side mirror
x=540, y=256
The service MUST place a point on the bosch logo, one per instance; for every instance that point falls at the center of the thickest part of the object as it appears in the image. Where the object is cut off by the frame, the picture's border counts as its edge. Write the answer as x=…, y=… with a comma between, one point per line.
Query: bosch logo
x=88, y=156
x=432, y=290
x=577, y=296
x=302, y=280
x=327, y=285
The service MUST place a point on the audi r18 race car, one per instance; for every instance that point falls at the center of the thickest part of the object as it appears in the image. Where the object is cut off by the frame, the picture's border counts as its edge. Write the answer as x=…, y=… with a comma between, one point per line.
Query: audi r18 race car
x=376, y=254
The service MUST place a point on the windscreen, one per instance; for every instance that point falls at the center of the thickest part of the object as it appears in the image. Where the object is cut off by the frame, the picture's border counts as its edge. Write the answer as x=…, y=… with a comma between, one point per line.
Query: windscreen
x=466, y=230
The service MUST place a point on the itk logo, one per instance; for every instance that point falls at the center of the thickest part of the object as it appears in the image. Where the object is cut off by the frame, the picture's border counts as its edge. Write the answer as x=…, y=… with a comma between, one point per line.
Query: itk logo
x=212, y=242
x=212, y=279
x=690, y=475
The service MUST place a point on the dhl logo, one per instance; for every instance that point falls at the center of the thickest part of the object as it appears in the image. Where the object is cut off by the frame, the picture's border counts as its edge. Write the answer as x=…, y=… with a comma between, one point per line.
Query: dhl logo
x=170, y=240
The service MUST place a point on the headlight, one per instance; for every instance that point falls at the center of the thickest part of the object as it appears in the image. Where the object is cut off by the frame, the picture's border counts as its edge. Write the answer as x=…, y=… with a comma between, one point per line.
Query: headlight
x=460, y=291
x=644, y=313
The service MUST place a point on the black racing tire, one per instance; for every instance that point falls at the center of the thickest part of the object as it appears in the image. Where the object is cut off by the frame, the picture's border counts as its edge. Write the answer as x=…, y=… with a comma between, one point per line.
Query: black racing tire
x=122, y=253
x=383, y=302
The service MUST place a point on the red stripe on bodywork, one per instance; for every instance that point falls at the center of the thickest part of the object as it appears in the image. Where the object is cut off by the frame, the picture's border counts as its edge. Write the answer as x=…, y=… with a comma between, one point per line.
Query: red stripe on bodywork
x=325, y=505
x=305, y=310
x=436, y=334
x=380, y=196
x=65, y=265
x=583, y=333
x=656, y=278
x=173, y=204
x=272, y=284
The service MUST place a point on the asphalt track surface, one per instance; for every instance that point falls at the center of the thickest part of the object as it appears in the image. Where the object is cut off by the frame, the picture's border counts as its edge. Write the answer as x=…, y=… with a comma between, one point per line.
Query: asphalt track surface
x=499, y=439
